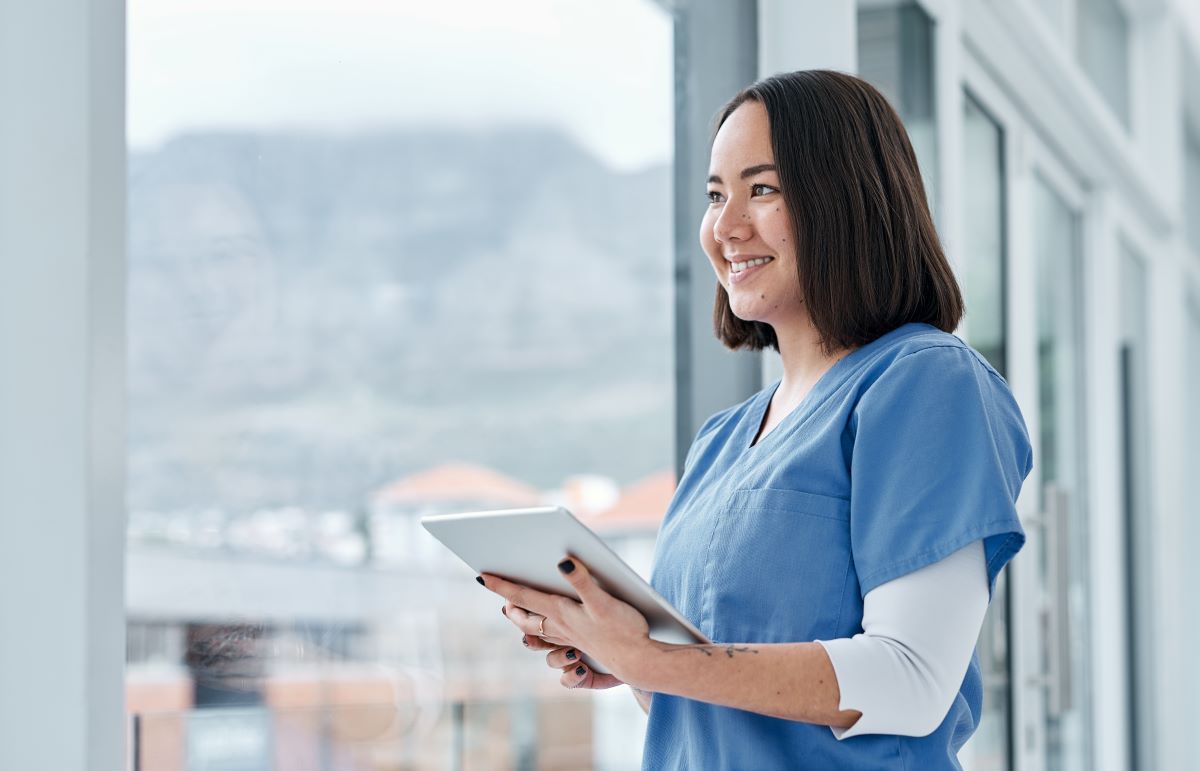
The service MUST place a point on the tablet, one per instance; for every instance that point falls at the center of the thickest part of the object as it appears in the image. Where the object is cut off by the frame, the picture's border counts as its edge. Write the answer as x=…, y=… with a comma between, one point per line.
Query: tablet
x=526, y=545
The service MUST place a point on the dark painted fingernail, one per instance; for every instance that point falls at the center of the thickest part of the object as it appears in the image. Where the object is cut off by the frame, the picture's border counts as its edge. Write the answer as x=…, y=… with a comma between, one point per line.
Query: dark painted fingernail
x=571, y=655
x=525, y=641
x=480, y=580
x=502, y=613
x=566, y=566
x=579, y=670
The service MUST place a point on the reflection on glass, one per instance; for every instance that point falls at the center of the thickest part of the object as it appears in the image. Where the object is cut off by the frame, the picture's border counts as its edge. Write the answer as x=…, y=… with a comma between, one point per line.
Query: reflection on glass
x=895, y=54
x=984, y=265
x=1191, y=189
x=1054, y=11
x=1062, y=557
x=983, y=253
x=382, y=265
x=1192, y=524
x=1102, y=39
x=1138, y=515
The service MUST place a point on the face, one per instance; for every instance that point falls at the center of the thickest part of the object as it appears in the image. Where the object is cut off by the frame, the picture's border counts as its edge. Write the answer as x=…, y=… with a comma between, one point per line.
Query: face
x=747, y=230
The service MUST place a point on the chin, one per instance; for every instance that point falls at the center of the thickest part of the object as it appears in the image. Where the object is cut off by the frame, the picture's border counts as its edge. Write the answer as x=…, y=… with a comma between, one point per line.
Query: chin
x=747, y=313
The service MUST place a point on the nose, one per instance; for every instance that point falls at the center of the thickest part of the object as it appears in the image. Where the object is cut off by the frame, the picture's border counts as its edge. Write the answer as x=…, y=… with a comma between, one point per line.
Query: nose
x=732, y=224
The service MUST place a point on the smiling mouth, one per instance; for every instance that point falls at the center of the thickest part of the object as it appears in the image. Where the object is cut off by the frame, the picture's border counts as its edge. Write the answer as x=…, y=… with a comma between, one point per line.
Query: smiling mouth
x=738, y=267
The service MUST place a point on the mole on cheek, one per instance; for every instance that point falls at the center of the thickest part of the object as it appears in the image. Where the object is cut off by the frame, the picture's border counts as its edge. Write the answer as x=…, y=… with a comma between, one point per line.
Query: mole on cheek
x=762, y=297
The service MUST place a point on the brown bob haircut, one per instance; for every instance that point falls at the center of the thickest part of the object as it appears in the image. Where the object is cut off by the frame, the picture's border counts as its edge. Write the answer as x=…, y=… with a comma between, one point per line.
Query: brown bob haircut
x=867, y=255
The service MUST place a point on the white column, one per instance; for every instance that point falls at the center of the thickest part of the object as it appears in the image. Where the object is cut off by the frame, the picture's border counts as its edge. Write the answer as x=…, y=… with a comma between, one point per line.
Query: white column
x=1156, y=106
x=715, y=44
x=1111, y=700
x=62, y=449
x=807, y=35
x=1174, y=729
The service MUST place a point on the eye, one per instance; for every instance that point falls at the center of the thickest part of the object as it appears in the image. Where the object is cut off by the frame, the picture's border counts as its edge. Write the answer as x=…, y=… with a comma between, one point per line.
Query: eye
x=714, y=196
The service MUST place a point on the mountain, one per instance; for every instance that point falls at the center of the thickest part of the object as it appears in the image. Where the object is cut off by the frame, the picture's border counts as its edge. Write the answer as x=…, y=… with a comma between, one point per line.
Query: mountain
x=312, y=316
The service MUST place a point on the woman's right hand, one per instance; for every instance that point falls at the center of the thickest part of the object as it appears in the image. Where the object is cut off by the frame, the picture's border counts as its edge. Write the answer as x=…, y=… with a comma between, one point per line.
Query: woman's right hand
x=570, y=662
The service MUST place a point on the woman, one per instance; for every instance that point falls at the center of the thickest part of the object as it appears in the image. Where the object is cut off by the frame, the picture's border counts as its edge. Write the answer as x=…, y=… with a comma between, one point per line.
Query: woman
x=838, y=534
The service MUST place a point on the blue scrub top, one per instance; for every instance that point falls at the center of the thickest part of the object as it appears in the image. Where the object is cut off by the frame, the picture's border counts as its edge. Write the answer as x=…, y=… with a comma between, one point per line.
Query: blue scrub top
x=907, y=449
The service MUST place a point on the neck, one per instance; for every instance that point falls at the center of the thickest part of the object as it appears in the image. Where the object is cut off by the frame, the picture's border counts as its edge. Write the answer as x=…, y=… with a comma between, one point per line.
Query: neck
x=803, y=360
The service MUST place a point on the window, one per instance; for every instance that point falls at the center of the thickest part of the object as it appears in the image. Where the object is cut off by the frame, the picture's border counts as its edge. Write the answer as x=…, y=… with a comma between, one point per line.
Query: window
x=983, y=255
x=1102, y=43
x=1192, y=472
x=984, y=265
x=1062, y=558
x=385, y=260
x=1138, y=514
x=895, y=54
x=1191, y=188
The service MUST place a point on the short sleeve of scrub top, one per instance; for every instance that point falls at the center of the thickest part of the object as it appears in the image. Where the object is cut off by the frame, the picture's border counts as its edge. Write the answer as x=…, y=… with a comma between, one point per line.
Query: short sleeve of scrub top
x=906, y=449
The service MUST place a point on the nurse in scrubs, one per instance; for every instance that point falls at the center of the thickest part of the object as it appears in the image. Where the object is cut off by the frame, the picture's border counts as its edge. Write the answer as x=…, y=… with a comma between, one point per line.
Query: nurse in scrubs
x=837, y=535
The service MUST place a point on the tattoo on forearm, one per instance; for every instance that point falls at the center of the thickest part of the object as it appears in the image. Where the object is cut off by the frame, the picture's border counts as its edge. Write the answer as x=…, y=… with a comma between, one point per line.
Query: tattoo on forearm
x=707, y=650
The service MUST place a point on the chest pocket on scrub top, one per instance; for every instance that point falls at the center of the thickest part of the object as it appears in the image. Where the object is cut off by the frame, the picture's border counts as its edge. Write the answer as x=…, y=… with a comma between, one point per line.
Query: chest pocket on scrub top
x=779, y=566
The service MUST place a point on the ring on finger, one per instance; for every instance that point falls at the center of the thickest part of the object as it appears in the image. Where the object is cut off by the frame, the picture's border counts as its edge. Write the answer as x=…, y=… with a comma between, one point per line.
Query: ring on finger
x=542, y=628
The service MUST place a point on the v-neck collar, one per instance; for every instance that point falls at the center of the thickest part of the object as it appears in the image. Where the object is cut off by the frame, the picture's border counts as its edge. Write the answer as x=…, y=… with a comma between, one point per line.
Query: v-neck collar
x=829, y=382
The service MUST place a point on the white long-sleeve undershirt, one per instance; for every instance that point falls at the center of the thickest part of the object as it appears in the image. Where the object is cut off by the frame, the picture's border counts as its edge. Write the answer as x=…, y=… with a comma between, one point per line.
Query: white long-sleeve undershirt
x=919, y=631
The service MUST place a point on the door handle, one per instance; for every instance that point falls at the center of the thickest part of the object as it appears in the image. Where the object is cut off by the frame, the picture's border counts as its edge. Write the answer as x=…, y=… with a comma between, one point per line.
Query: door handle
x=1055, y=523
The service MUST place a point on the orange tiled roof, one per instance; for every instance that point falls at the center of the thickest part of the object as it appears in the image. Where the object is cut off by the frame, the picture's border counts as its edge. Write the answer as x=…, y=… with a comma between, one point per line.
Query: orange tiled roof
x=641, y=505
x=459, y=482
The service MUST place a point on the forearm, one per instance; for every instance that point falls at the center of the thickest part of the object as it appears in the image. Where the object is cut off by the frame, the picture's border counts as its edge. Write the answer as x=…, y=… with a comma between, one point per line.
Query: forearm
x=643, y=698
x=794, y=681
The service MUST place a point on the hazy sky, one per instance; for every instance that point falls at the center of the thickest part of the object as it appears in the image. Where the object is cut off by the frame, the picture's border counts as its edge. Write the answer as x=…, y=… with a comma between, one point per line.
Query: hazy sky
x=601, y=69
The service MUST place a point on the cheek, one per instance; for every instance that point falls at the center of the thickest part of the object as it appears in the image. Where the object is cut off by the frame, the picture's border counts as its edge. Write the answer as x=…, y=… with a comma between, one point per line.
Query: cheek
x=779, y=232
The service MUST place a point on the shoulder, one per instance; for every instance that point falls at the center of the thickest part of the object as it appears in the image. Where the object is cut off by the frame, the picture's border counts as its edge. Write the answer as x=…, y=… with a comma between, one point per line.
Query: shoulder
x=933, y=344
x=932, y=381
x=933, y=373
x=919, y=352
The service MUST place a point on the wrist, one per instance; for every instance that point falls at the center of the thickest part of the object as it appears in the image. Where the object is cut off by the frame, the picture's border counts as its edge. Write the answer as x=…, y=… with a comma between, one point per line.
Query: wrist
x=639, y=666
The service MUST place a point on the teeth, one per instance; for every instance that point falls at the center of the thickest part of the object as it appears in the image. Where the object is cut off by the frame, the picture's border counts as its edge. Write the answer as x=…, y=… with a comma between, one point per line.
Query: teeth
x=738, y=267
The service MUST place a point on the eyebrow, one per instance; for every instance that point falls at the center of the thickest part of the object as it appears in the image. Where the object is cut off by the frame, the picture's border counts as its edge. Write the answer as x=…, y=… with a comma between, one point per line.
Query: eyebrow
x=747, y=172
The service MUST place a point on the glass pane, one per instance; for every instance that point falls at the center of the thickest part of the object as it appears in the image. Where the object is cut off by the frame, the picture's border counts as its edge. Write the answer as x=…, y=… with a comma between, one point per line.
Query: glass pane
x=984, y=265
x=1102, y=39
x=1062, y=554
x=895, y=54
x=1191, y=192
x=983, y=254
x=1192, y=524
x=386, y=260
x=1138, y=516
x=1054, y=11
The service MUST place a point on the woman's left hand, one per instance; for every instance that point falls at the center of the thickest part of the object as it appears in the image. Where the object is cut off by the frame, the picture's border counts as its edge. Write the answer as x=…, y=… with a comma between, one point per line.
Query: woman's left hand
x=609, y=630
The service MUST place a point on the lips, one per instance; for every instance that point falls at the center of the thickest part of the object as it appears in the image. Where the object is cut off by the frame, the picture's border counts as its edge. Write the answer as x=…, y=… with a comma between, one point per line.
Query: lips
x=749, y=265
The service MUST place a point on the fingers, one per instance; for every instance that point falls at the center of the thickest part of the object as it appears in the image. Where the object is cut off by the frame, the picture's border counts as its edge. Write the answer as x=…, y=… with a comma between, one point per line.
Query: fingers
x=578, y=676
x=561, y=657
x=535, y=643
x=582, y=580
x=521, y=596
x=582, y=676
x=528, y=622
x=531, y=624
